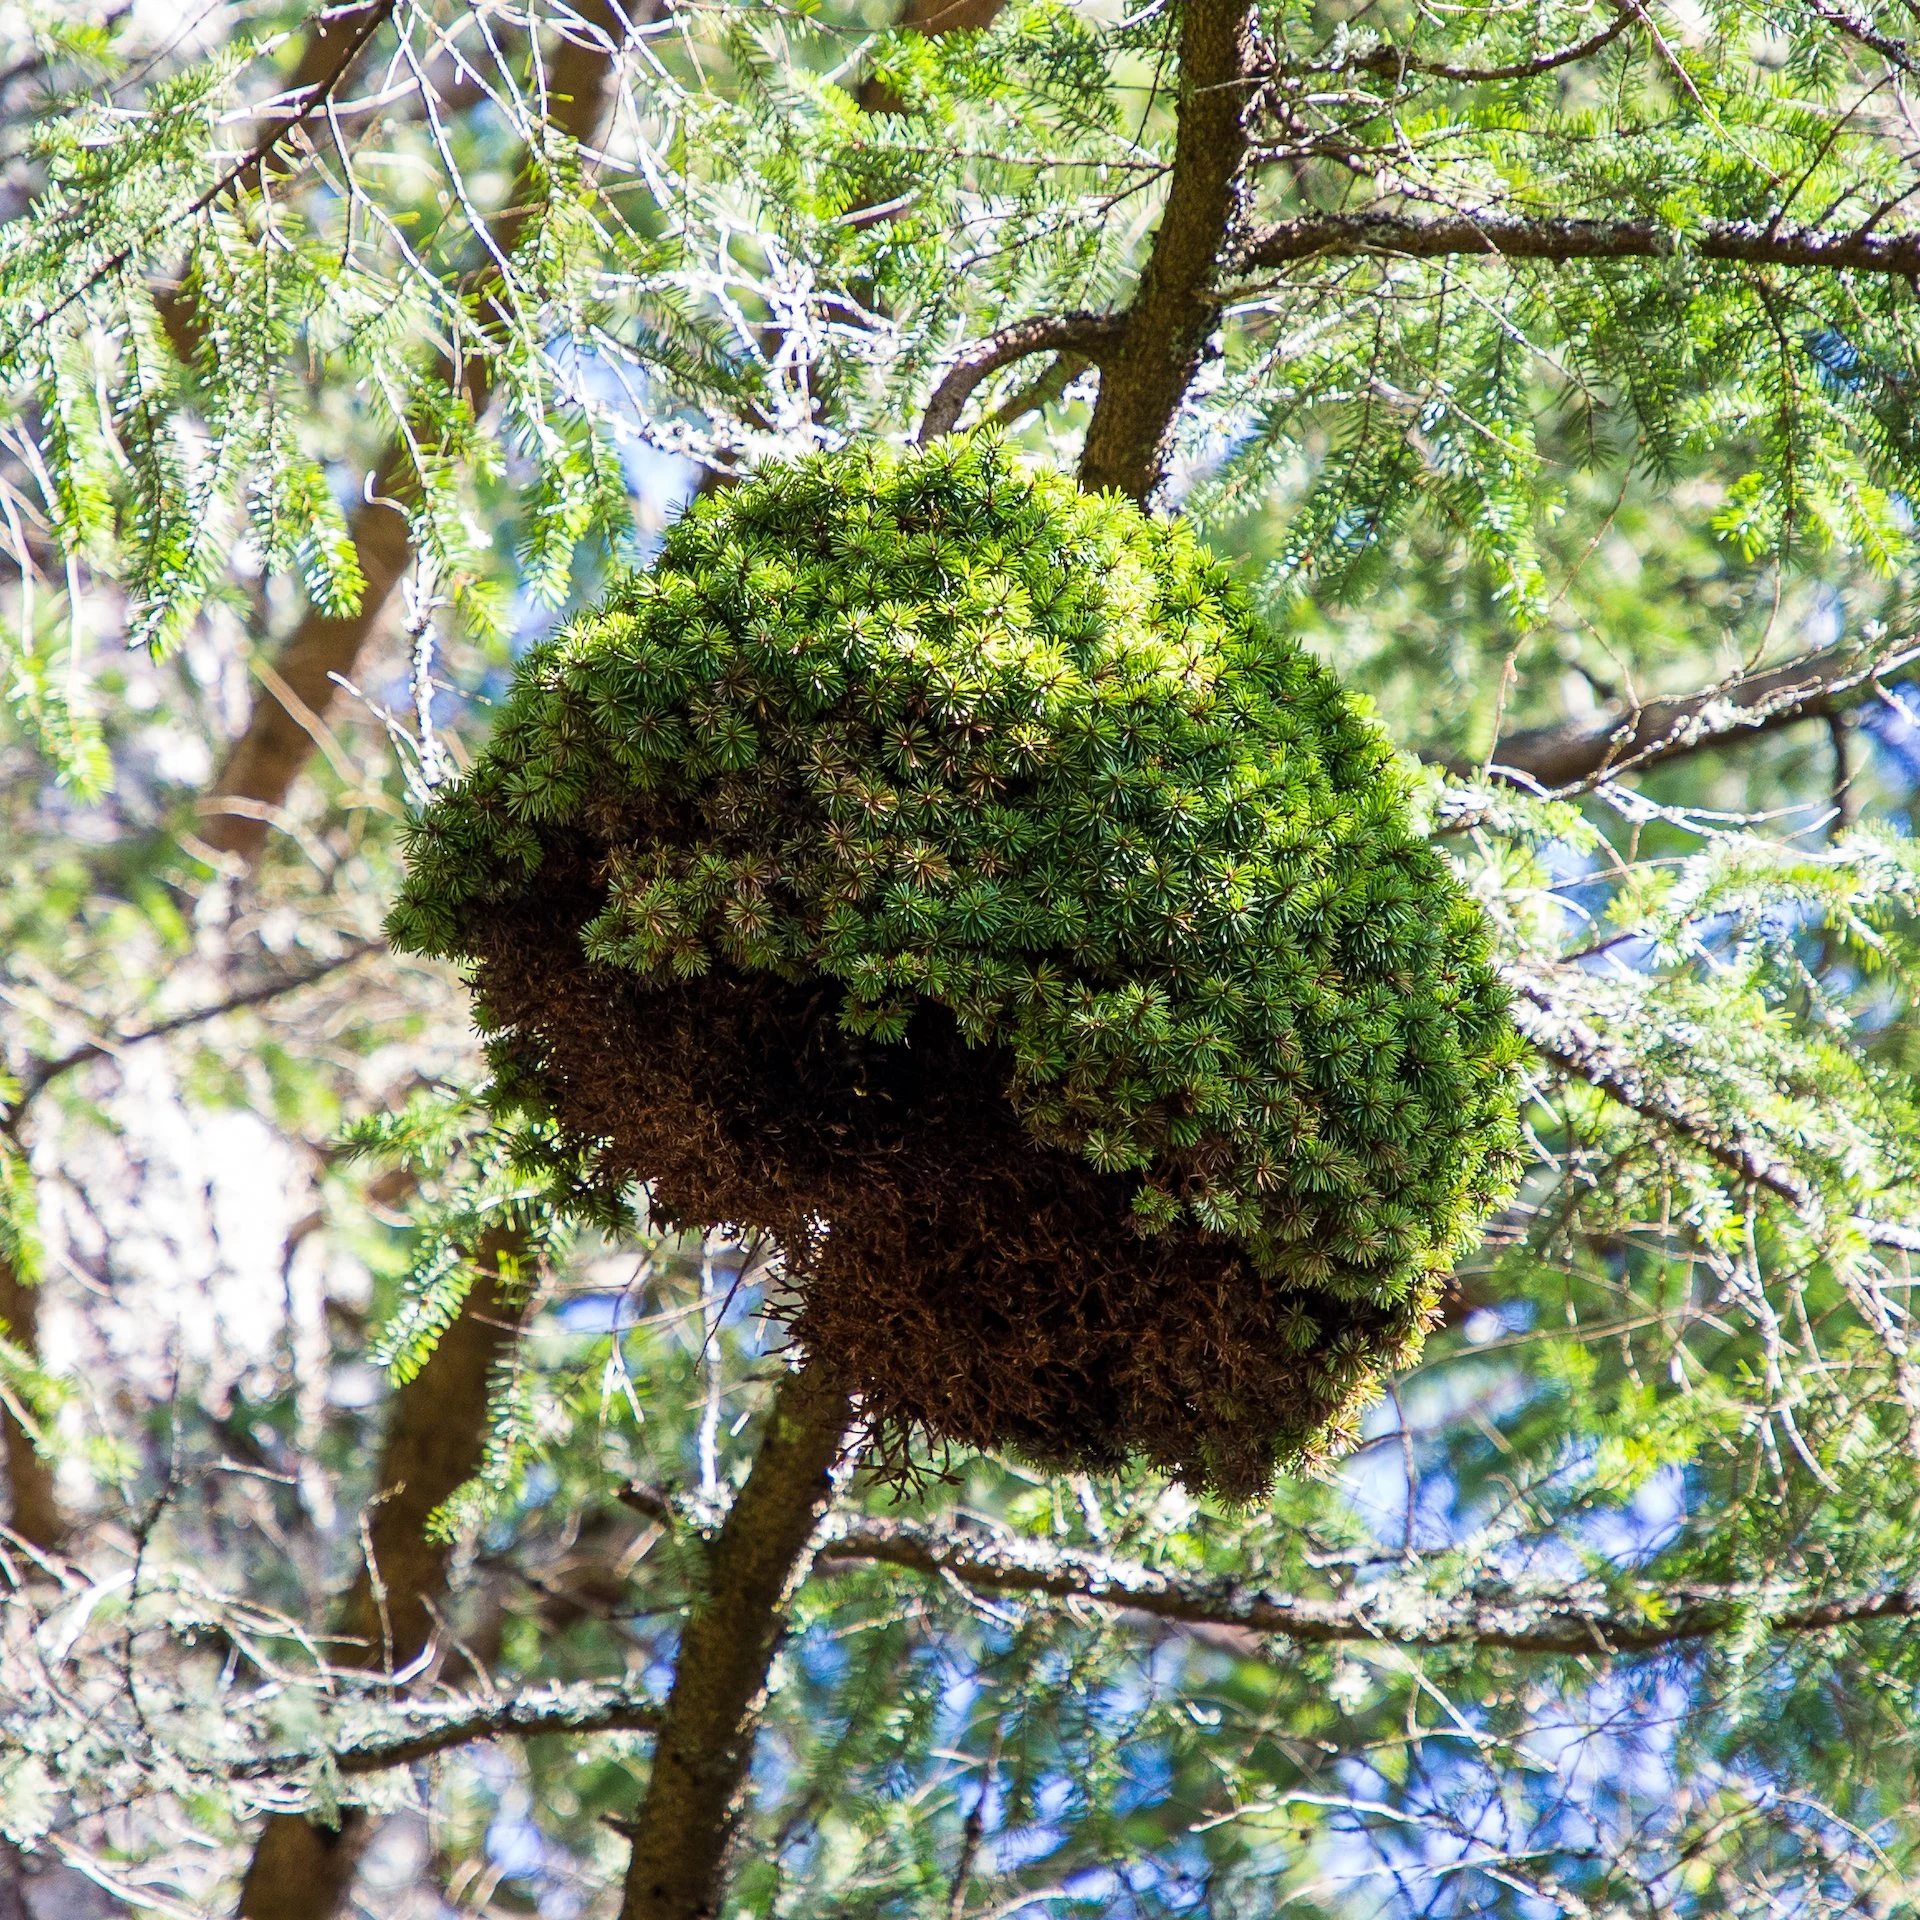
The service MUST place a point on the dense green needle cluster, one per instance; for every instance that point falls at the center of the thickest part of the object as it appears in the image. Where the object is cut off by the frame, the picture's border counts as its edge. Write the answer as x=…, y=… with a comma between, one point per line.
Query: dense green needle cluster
x=945, y=733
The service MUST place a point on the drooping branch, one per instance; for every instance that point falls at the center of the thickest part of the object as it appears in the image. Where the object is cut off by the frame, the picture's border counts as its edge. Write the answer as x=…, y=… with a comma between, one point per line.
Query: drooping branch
x=1153, y=362
x=323, y=649
x=705, y=1741
x=1090, y=335
x=296, y=110
x=1577, y=755
x=1501, y=232
x=1578, y=1619
x=1560, y=1035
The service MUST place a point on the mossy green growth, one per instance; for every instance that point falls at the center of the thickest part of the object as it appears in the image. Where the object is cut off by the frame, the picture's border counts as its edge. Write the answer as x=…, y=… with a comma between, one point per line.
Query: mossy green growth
x=940, y=729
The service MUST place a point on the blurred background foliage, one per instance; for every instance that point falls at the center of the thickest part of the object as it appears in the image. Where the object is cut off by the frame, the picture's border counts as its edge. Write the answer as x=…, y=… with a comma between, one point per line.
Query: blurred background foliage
x=1609, y=1613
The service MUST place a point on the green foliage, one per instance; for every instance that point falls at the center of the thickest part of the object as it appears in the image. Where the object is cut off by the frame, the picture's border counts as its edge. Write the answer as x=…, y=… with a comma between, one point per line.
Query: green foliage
x=939, y=729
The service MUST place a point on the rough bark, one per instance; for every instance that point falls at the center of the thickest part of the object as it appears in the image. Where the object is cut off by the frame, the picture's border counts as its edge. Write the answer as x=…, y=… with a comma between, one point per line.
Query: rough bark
x=1578, y=1618
x=435, y=1438
x=1143, y=381
x=1578, y=752
x=264, y=762
x=34, y=1510
x=705, y=1744
x=1542, y=236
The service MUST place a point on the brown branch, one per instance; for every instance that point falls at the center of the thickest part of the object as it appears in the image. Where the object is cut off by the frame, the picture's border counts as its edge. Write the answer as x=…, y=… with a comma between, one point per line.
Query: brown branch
x=1090, y=335
x=705, y=1741
x=1569, y=758
x=1521, y=236
x=1896, y=53
x=1146, y=375
x=435, y=1438
x=1582, y=1619
x=34, y=1512
x=1392, y=62
x=324, y=649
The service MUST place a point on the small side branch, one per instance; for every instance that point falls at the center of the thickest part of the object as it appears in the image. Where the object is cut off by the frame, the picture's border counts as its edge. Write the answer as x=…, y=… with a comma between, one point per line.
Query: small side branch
x=42, y=1072
x=412, y=1730
x=1090, y=335
x=1392, y=62
x=1561, y=1037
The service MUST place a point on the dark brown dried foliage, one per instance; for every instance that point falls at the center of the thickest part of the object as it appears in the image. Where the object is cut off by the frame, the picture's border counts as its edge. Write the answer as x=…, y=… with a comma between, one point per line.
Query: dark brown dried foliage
x=975, y=1287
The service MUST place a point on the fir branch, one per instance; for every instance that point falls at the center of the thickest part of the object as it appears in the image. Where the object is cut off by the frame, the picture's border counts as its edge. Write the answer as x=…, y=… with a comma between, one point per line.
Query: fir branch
x=245, y=169
x=1580, y=1619
x=1572, y=1044
x=324, y=648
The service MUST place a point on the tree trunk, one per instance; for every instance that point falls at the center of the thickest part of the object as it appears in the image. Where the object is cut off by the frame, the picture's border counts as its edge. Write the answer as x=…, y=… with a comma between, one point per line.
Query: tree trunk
x=704, y=1747
x=34, y=1511
x=1143, y=382
x=435, y=1440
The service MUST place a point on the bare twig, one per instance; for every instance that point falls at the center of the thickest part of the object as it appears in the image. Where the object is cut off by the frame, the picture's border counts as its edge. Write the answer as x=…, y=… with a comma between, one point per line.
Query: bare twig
x=42, y=1073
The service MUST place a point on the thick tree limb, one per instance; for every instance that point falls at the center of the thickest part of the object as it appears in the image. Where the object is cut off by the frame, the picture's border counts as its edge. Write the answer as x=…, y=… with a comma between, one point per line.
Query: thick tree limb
x=1089, y=335
x=264, y=762
x=1530, y=236
x=1580, y=1619
x=435, y=1439
x=705, y=1741
x=1577, y=755
x=1146, y=375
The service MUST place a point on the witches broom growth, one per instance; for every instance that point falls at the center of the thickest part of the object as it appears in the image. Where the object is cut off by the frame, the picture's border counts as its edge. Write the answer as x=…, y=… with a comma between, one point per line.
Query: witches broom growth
x=942, y=871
